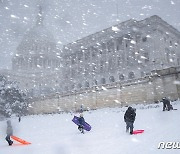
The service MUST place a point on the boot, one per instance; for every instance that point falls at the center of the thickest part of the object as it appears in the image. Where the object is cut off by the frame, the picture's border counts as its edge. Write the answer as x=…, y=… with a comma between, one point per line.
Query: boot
x=10, y=143
x=82, y=131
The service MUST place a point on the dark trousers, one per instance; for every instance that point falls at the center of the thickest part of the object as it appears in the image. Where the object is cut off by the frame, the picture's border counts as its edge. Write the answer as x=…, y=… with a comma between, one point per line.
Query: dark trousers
x=81, y=129
x=167, y=107
x=8, y=139
x=129, y=125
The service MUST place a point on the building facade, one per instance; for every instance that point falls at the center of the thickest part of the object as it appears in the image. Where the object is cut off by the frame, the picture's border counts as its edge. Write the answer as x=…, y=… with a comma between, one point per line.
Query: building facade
x=123, y=55
x=129, y=50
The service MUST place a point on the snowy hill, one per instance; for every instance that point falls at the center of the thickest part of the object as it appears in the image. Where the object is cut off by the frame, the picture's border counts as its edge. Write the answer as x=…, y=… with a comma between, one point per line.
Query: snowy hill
x=57, y=134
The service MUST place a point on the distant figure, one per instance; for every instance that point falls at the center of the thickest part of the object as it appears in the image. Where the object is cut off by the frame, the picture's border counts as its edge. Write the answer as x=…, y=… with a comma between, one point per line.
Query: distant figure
x=129, y=118
x=81, y=121
x=166, y=104
x=81, y=108
x=19, y=118
x=9, y=132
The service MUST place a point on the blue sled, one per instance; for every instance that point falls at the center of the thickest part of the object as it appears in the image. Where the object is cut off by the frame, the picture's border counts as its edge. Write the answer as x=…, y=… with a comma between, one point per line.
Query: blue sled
x=86, y=126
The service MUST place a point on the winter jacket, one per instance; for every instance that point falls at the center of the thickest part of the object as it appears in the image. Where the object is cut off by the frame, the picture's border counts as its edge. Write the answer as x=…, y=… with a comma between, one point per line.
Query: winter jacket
x=9, y=130
x=129, y=115
x=166, y=102
x=81, y=120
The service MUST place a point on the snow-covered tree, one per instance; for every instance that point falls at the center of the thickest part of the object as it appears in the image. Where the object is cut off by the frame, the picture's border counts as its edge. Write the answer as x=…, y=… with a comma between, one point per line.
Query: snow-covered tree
x=12, y=99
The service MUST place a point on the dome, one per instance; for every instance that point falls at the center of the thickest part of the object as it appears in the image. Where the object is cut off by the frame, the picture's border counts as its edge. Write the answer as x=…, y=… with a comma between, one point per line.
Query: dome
x=37, y=51
x=39, y=33
x=37, y=40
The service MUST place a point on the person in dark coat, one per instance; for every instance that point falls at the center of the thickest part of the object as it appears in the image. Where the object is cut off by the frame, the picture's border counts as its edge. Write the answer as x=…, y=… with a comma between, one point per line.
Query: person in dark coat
x=129, y=118
x=81, y=122
x=166, y=104
x=9, y=132
x=19, y=118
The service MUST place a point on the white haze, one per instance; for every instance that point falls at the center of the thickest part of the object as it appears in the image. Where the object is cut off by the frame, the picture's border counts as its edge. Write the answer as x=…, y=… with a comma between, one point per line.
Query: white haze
x=70, y=20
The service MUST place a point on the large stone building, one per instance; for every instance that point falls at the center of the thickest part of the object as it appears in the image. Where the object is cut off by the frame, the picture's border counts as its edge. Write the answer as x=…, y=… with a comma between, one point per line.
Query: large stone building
x=124, y=54
x=125, y=51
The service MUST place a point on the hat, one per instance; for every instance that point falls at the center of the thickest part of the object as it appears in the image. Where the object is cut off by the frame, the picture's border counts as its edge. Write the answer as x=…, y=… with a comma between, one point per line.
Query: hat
x=129, y=108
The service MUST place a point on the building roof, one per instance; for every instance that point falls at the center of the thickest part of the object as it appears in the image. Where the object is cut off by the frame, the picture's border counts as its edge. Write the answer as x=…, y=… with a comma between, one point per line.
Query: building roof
x=119, y=30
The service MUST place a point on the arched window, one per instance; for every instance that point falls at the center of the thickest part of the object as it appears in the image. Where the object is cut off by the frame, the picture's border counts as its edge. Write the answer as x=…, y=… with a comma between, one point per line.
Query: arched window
x=87, y=84
x=110, y=46
x=144, y=39
x=94, y=51
x=131, y=75
x=72, y=87
x=121, y=77
x=79, y=85
x=103, y=81
x=95, y=82
x=111, y=79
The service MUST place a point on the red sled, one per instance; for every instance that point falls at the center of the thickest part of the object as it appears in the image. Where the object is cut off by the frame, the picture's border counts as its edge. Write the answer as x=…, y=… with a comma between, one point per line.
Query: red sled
x=138, y=131
x=20, y=140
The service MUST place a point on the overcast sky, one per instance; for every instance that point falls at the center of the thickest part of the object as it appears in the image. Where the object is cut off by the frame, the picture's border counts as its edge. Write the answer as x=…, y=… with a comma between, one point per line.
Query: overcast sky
x=69, y=20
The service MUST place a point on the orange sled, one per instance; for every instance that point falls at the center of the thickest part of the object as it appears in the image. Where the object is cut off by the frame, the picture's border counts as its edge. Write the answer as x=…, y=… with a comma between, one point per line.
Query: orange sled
x=20, y=140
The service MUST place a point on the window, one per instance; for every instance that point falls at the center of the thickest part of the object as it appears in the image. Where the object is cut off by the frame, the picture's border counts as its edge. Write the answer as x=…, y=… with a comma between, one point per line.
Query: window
x=73, y=60
x=100, y=51
x=146, y=55
x=80, y=70
x=170, y=43
x=167, y=52
x=80, y=55
x=131, y=75
x=87, y=84
x=94, y=51
x=95, y=82
x=72, y=87
x=87, y=55
x=93, y=68
x=119, y=61
x=79, y=85
x=86, y=70
x=110, y=46
x=103, y=46
x=102, y=63
x=110, y=64
x=103, y=81
x=111, y=79
x=144, y=39
x=121, y=77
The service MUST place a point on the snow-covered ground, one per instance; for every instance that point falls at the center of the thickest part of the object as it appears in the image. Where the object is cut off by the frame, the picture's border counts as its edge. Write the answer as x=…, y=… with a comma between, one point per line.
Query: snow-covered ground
x=57, y=134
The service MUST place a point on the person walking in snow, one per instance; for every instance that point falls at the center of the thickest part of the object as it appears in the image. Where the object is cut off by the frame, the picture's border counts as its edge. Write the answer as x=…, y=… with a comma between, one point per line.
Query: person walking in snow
x=81, y=122
x=166, y=104
x=19, y=118
x=129, y=118
x=9, y=132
